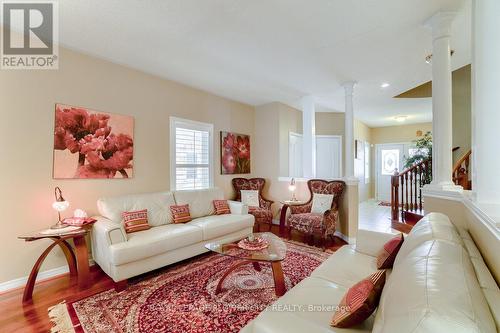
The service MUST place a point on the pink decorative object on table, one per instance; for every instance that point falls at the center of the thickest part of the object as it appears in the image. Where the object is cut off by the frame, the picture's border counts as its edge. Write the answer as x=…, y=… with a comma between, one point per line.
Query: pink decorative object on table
x=256, y=244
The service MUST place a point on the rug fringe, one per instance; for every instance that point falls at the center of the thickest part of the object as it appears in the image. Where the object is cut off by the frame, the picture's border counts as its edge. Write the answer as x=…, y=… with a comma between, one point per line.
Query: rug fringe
x=61, y=321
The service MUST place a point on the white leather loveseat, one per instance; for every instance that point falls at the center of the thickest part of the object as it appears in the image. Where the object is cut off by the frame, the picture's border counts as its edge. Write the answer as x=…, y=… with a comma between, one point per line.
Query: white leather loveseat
x=439, y=284
x=123, y=255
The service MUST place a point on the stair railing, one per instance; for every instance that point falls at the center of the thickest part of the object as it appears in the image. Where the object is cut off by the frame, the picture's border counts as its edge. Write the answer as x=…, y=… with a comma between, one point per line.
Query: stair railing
x=406, y=189
x=461, y=170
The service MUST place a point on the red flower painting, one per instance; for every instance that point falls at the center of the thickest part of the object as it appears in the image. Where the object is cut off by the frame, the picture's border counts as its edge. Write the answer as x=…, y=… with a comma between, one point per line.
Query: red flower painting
x=235, y=153
x=91, y=144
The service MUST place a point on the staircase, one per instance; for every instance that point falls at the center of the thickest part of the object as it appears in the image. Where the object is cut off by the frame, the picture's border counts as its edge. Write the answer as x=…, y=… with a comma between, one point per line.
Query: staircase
x=461, y=171
x=406, y=190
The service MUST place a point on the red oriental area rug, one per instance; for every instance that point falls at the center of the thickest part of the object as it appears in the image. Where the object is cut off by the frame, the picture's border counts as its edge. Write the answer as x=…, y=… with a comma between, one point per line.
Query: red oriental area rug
x=181, y=298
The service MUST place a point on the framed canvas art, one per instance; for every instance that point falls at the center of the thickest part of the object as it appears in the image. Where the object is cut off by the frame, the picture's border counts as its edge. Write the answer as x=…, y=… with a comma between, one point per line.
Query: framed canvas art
x=235, y=153
x=92, y=144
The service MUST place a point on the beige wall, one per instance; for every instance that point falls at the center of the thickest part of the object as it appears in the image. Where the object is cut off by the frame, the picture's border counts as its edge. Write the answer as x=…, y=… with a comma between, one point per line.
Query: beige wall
x=330, y=123
x=399, y=134
x=27, y=101
x=462, y=120
x=364, y=133
x=289, y=120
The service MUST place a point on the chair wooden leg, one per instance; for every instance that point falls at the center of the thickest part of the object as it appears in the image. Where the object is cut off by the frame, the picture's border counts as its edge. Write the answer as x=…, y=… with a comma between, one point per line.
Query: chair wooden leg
x=324, y=241
x=120, y=285
x=288, y=233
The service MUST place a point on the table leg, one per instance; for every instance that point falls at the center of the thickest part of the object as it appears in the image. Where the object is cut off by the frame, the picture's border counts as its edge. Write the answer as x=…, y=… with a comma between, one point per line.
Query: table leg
x=257, y=267
x=30, y=284
x=283, y=220
x=82, y=258
x=226, y=274
x=279, y=278
x=70, y=257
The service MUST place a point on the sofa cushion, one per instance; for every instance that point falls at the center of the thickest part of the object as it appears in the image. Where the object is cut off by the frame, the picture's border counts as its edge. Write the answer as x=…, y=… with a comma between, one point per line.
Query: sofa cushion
x=157, y=205
x=135, y=221
x=154, y=241
x=360, y=301
x=219, y=225
x=434, y=289
x=200, y=201
x=221, y=207
x=387, y=254
x=309, y=307
x=431, y=226
x=346, y=267
x=180, y=213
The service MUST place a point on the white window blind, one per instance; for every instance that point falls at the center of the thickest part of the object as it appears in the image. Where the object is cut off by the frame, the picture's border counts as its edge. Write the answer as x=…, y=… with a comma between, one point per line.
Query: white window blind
x=192, y=154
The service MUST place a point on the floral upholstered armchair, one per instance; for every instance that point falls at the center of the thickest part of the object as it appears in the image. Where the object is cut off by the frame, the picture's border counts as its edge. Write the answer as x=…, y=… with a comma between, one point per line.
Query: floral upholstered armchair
x=304, y=220
x=262, y=213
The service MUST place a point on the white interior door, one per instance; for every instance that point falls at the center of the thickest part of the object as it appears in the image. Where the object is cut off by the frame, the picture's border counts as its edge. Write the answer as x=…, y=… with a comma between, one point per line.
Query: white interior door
x=388, y=158
x=328, y=156
x=295, y=155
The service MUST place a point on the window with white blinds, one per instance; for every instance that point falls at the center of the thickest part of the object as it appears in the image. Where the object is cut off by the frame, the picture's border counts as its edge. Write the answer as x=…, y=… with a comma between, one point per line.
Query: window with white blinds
x=191, y=154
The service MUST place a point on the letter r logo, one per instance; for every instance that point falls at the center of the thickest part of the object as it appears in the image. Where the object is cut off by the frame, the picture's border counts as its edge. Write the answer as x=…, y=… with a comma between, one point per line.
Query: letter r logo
x=28, y=28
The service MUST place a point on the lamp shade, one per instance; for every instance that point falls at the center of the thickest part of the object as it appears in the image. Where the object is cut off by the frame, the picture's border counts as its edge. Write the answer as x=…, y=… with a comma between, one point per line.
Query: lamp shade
x=292, y=186
x=60, y=206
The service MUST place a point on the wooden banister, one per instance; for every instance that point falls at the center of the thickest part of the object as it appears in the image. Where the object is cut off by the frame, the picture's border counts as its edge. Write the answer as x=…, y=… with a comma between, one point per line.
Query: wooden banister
x=406, y=188
x=461, y=170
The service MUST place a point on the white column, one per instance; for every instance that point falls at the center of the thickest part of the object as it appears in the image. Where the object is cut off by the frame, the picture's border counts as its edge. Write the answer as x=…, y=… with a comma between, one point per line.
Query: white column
x=442, y=158
x=349, y=130
x=308, y=137
x=486, y=100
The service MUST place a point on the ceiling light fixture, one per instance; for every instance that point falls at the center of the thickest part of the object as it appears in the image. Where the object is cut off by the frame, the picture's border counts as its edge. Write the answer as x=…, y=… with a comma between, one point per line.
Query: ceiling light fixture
x=400, y=119
x=384, y=85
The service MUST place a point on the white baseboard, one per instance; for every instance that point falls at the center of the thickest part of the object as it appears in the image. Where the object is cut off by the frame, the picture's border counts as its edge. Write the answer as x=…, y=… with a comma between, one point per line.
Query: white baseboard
x=348, y=240
x=50, y=273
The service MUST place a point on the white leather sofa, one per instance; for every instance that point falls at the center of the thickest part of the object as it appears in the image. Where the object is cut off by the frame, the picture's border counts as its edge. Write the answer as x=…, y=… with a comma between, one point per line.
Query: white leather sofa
x=123, y=255
x=439, y=284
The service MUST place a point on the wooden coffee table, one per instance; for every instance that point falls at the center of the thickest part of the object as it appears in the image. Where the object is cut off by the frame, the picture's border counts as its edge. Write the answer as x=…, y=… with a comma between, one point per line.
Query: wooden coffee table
x=274, y=254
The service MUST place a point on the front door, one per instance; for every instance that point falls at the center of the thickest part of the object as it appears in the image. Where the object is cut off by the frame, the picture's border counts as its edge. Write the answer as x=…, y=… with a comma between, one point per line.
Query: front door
x=388, y=158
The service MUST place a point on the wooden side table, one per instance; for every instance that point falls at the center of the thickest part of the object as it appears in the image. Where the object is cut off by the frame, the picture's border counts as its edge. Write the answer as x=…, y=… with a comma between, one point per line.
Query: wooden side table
x=284, y=208
x=77, y=256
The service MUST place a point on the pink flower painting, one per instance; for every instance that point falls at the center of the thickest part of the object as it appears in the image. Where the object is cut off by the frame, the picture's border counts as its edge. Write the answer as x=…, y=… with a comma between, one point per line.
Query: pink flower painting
x=235, y=153
x=92, y=144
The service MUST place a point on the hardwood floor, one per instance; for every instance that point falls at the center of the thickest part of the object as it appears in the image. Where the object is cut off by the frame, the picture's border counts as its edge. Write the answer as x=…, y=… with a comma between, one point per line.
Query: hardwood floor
x=33, y=316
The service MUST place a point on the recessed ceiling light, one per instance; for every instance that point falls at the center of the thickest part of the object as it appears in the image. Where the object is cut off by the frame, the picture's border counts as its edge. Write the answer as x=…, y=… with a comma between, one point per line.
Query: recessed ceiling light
x=400, y=119
x=384, y=85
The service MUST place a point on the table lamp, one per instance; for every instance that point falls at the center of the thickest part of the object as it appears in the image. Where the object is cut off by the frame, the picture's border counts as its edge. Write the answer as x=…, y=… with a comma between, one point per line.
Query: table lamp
x=60, y=205
x=292, y=188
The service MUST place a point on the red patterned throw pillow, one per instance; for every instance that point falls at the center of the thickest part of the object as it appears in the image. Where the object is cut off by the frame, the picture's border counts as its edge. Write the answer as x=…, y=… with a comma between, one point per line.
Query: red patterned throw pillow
x=135, y=221
x=180, y=213
x=360, y=301
x=387, y=255
x=221, y=207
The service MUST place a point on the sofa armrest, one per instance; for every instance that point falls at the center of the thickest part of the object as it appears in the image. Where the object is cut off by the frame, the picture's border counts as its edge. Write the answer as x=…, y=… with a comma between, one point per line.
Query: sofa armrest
x=237, y=207
x=108, y=231
x=371, y=242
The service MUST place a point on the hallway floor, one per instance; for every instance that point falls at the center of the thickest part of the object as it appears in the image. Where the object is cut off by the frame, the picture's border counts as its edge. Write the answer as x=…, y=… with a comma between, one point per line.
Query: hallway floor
x=374, y=217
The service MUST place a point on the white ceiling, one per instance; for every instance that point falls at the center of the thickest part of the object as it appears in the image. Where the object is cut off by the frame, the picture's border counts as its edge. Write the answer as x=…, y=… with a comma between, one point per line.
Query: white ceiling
x=259, y=51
